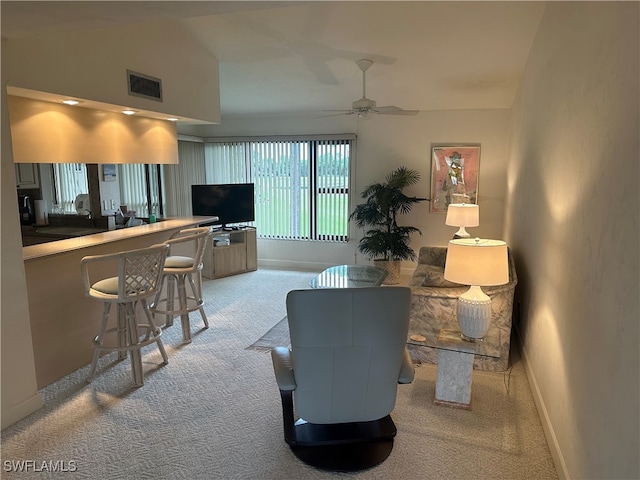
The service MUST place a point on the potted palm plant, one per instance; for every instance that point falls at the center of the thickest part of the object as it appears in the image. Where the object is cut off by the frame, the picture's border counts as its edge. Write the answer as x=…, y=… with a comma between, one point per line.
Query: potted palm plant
x=384, y=241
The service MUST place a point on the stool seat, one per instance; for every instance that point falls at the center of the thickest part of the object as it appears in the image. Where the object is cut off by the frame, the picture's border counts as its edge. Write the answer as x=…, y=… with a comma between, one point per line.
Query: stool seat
x=109, y=286
x=180, y=270
x=176, y=262
x=139, y=277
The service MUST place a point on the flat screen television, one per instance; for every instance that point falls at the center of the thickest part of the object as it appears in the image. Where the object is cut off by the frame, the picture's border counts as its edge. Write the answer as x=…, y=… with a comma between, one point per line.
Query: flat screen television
x=230, y=202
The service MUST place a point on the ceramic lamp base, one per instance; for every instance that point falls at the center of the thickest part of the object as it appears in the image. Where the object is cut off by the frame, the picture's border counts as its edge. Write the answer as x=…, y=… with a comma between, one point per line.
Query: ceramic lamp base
x=474, y=314
x=462, y=233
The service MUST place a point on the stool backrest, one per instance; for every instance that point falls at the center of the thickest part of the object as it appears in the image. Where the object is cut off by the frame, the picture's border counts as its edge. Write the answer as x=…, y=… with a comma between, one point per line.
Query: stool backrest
x=199, y=236
x=139, y=272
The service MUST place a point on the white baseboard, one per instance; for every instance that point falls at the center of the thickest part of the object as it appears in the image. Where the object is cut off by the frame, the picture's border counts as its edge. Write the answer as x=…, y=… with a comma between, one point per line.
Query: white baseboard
x=549, y=433
x=27, y=407
x=293, y=265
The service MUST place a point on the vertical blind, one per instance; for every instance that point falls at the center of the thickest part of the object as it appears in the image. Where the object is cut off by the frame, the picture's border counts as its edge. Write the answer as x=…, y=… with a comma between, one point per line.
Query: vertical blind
x=301, y=184
x=281, y=177
x=140, y=188
x=227, y=162
x=133, y=190
x=70, y=181
x=332, y=189
x=179, y=178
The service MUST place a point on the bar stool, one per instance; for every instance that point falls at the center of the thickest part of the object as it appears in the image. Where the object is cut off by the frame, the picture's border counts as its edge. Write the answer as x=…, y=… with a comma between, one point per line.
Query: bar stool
x=180, y=270
x=139, y=277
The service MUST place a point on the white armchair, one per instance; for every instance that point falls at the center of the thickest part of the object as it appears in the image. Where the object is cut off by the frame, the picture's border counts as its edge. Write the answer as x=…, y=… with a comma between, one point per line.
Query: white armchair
x=346, y=359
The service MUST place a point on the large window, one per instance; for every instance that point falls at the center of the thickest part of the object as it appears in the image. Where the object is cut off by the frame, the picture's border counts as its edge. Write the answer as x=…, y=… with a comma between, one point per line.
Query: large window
x=301, y=184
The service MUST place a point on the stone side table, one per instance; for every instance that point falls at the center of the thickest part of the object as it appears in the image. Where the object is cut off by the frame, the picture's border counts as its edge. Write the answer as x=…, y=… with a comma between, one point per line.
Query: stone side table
x=455, y=365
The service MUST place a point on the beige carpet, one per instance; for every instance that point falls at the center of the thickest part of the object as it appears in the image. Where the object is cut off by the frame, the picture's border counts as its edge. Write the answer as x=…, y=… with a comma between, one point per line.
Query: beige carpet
x=214, y=411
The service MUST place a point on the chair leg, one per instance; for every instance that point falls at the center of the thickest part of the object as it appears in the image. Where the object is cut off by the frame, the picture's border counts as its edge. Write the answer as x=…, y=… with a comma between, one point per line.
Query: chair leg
x=158, y=297
x=196, y=288
x=153, y=330
x=97, y=342
x=121, y=329
x=170, y=300
x=135, y=354
x=184, y=309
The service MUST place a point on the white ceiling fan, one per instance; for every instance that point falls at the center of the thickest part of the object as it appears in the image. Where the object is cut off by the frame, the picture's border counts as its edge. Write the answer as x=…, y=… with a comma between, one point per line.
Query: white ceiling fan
x=365, y=106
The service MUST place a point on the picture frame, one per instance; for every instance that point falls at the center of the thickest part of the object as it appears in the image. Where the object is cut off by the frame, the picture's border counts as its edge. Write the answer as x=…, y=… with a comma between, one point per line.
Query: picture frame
x=109, y=173
x=454, y=175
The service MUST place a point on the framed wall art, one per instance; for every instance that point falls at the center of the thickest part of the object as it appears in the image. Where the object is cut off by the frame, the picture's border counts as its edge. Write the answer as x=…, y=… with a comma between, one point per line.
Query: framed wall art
x=109, y=173
x=454, y=175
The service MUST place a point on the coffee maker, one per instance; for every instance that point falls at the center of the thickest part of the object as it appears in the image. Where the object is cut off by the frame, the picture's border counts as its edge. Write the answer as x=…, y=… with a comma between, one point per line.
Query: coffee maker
x=25, y=207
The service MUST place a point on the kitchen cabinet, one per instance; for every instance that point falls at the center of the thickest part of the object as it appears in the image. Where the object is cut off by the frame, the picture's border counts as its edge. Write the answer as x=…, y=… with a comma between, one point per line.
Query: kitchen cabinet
x=27, y=175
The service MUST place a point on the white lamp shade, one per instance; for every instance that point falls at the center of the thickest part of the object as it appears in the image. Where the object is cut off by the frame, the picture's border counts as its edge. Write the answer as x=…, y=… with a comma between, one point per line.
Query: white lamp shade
x=463, y=215
x=480, y=262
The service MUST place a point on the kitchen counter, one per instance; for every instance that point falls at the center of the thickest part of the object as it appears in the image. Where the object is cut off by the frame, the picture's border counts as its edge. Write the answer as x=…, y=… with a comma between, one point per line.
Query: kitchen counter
x=102, y=237
x=63, y=320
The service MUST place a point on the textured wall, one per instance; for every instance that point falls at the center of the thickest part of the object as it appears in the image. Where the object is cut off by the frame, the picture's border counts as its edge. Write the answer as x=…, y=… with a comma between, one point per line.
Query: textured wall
x=572, y=221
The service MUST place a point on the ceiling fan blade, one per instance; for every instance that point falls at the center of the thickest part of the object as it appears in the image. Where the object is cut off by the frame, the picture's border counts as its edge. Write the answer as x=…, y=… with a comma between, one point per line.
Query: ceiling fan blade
x=391, y=110
x=342, y=112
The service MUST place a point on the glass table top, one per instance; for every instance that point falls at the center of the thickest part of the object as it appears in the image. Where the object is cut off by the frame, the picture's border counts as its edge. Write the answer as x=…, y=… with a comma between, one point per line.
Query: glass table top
x=450, y=339
x=349, y=276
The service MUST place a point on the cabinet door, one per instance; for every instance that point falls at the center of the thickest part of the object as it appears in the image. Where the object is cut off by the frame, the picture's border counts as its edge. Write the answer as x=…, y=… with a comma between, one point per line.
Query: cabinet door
x=229, y=260
x=27, y=175
x=252, y=249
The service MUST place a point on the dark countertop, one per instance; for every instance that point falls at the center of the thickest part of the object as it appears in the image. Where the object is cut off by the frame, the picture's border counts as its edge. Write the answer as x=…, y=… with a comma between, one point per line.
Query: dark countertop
x=59, y=231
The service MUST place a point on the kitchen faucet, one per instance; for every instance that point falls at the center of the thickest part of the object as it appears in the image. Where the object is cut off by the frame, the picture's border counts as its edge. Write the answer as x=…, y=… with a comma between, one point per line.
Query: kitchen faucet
x=91, y=218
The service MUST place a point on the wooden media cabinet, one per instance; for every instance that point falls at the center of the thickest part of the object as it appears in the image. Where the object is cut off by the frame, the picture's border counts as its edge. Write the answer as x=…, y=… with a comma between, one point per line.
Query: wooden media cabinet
x=239, y=256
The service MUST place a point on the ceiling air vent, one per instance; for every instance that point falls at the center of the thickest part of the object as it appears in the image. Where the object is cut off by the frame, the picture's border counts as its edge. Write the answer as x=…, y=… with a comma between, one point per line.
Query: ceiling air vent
x=144, y=86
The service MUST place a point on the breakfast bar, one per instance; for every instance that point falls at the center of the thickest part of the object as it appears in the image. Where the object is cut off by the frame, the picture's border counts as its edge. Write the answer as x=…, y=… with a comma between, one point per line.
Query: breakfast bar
x=64, y=321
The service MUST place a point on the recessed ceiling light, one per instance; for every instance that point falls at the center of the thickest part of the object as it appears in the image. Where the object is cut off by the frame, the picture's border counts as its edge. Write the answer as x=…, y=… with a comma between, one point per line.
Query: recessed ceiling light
x=129, y=112
x=173, y=119
x=70, y=101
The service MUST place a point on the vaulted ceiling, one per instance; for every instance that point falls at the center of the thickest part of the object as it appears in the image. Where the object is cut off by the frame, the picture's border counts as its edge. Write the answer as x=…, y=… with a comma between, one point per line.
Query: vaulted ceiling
x=299, y=57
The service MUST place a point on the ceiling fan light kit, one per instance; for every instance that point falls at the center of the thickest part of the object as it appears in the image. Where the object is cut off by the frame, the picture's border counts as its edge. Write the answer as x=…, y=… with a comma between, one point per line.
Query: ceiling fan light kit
x=364, y=106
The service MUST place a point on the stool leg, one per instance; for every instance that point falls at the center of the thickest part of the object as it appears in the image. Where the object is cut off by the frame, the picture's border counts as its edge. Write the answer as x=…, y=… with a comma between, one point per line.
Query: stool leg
x=158, y=297
x=97, y=342
x=134, y=354
x=184, y=309
x=121, y=329
x=196, y=288
x=170, y=299
x=155, y=331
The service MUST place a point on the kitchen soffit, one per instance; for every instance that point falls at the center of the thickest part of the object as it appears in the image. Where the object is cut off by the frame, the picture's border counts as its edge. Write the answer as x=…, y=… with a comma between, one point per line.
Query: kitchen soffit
x=104, y=107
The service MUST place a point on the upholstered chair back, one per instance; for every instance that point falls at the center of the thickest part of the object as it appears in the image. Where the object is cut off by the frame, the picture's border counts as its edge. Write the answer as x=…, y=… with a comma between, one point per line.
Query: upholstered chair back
x=347, y=346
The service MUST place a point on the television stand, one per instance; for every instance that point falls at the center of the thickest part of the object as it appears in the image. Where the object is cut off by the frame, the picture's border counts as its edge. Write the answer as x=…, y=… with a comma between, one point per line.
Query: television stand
x=239, y=256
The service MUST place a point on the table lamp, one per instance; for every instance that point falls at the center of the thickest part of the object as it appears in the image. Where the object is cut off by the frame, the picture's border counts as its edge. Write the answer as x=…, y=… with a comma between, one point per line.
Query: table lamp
x=463, y=215
x=478, y=263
